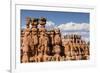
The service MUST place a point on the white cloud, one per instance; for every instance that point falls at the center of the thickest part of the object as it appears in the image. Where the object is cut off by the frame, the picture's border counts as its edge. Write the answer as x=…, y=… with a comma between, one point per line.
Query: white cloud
x=86, y=39
x=50, y=25
x=70, y=26
x=74, y=26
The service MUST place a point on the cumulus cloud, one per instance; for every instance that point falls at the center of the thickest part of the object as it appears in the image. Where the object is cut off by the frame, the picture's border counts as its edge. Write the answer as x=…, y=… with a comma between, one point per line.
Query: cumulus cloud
x=50, y=25
x=86, y=39
x=74, y=26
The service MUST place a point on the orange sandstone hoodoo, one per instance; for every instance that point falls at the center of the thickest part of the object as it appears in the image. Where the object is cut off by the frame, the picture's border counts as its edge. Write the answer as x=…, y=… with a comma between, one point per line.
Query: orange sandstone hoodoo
x=34, y=36
x=39, y=44
x=26, y=40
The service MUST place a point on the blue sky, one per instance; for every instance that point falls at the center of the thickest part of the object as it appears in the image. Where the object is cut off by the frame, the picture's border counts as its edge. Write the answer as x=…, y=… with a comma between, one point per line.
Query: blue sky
x=57, y=17
x=68, y=22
